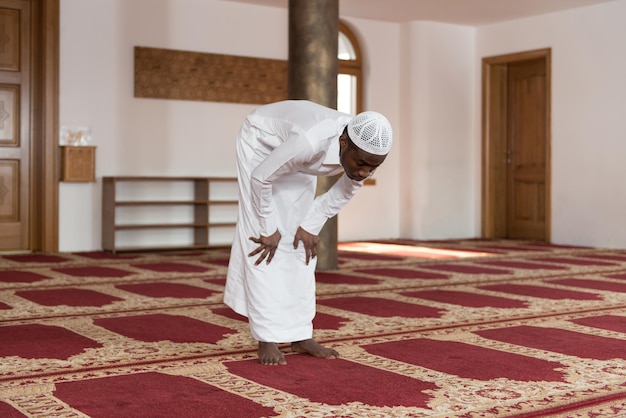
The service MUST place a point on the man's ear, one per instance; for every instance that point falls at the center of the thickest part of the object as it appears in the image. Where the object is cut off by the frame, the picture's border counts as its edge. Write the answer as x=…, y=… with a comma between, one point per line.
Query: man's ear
x=343, y=140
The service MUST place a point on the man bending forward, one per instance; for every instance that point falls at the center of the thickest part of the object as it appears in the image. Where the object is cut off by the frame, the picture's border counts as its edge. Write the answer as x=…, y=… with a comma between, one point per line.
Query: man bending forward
x=281, y=149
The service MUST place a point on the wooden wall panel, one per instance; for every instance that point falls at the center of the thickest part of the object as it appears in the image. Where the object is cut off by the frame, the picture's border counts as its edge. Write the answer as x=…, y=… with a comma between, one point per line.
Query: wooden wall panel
x=9, y=191
x=10, y=39
x=9, y=115
x=184, y=75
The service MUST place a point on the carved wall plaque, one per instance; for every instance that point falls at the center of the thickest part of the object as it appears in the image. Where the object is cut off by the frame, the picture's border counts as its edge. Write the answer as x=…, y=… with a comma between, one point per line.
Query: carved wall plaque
x=184, y=75
x=78, y=164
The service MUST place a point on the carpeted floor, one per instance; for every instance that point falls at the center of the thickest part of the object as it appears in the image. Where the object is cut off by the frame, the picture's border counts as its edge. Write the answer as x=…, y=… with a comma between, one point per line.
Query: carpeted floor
x=440, y=329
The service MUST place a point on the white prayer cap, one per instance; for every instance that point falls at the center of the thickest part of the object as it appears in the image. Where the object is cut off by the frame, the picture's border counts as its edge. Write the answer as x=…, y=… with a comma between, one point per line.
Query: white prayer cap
x=371, y=132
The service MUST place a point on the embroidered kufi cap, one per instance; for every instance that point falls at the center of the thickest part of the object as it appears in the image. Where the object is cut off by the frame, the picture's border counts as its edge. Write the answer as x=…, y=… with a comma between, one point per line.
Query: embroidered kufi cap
x=371, y=132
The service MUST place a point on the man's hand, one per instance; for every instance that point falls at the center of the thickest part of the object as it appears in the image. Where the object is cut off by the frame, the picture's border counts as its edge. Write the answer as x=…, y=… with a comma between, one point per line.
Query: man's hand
x=310, y=243
x=267, y=247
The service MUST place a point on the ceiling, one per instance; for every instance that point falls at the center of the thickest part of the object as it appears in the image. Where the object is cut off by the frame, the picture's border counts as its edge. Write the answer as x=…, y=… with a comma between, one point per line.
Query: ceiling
x=462, y=12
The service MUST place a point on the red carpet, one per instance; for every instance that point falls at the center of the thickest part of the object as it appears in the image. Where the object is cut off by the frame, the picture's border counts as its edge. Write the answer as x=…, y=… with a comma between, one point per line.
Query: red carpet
x=441, y=329
x=162, y=395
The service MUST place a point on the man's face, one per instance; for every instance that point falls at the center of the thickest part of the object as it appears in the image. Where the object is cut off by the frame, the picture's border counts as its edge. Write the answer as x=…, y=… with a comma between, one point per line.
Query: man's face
x=357, y=164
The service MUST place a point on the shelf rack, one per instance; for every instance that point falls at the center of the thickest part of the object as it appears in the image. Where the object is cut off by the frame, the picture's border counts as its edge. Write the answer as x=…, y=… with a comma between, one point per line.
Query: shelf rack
x=201, y=202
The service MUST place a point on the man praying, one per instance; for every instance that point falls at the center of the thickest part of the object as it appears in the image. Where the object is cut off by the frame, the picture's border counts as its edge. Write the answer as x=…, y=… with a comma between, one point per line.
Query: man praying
x=281, y=150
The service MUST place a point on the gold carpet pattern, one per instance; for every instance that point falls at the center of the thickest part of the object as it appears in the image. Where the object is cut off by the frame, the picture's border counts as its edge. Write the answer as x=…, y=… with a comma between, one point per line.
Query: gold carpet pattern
x=520, y=329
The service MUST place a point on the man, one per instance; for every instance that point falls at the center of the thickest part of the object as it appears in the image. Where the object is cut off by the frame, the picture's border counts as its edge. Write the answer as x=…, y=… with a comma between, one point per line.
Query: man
x=281, y=149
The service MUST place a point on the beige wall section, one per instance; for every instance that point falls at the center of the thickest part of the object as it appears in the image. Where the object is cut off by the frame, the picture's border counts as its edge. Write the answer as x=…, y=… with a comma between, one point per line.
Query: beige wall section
x=430, y=185
x=588, y=108
x=438, y=154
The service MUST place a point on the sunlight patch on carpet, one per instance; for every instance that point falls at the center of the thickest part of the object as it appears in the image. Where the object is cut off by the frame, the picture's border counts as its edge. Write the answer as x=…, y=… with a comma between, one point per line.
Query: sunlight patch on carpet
x=408, y=250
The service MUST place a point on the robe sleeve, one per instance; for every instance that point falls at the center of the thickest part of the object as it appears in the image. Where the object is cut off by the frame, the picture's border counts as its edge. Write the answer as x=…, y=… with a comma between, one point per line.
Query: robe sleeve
x=329, y=204
x=279, y=162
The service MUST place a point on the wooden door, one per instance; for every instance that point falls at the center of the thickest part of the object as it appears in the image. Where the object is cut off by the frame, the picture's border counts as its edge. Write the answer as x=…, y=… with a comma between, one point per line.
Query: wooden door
x=29, y=95
x=526, y=150
x=516, y=146
x=14, y=125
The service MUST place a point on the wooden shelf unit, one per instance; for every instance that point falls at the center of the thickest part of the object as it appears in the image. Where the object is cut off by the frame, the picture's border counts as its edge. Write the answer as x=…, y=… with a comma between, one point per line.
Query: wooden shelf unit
x=201, y=204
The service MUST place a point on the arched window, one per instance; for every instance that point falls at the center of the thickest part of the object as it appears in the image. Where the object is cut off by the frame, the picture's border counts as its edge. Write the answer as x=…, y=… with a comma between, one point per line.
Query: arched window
x=349, y=78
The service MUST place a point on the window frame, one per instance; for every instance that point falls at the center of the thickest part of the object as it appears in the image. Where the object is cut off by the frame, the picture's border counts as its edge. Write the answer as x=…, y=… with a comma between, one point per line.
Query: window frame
x=353, y=67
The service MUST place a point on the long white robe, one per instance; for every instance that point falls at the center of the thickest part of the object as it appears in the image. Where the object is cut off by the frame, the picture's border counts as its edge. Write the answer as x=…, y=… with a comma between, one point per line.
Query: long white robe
x=281, y=149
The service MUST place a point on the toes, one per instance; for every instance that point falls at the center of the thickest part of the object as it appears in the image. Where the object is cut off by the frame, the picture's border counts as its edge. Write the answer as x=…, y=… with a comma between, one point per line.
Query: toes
x=270, y=355
x=314, y=348
x=272, y=361
x=330, y=354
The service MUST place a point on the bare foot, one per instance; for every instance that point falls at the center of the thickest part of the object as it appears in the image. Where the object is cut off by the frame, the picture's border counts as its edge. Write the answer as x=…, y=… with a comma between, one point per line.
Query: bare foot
x=270, y=354
x=313, y=348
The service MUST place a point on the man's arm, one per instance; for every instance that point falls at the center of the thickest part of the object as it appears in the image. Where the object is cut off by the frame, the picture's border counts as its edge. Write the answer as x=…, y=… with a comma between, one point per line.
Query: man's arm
x=279, y=162
x=329, y=204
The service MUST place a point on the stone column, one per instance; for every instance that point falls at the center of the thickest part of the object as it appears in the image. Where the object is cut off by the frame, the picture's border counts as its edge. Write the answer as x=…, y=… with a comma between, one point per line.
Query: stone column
x=312, y=75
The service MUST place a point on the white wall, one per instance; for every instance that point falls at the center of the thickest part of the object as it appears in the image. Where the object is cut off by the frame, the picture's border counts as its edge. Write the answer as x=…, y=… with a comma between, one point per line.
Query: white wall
x=372, y=213
x=137, y=136
x=437, y=199
x=588, y=114
x=424, y=76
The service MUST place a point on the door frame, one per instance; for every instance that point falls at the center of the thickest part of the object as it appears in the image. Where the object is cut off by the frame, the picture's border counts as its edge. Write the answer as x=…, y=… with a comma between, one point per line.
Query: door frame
x=44, y=119
x=494, y=140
